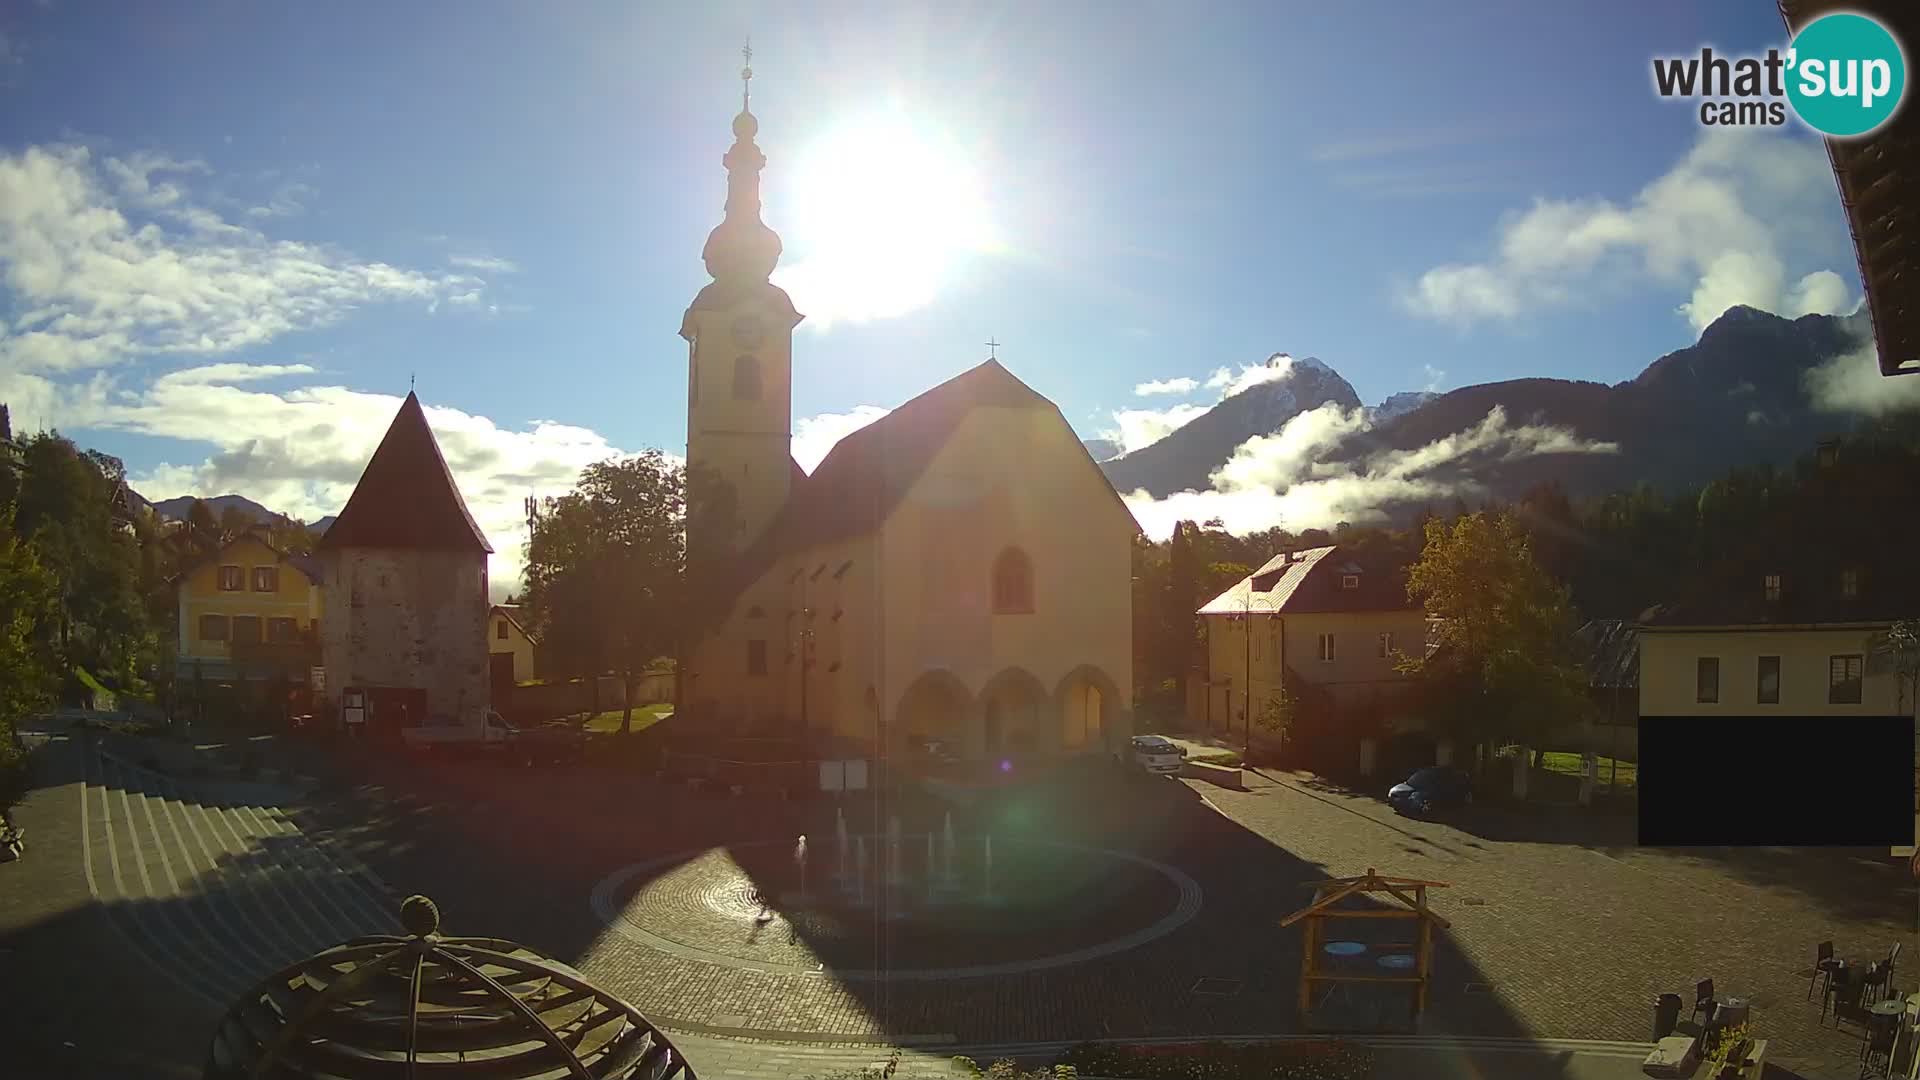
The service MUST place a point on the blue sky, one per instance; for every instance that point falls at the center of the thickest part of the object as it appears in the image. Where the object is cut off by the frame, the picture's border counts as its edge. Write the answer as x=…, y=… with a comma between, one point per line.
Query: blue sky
x=508, y=201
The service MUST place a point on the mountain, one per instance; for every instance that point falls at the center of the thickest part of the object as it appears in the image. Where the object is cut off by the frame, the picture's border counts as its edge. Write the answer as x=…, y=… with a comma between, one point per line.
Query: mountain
x=1399, y=405
x=1736, y=397
x=1183, y=459
x=1101, y=449
x=176, y=508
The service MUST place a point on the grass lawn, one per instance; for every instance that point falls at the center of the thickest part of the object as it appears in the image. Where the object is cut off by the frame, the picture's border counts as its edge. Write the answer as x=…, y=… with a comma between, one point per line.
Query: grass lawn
x=644, y=716
x=1570, y=765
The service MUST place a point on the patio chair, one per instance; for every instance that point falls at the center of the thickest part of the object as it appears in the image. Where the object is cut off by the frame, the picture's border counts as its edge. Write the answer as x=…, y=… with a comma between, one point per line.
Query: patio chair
x=1876, y=1050
x=1824, y=964
x=1703, y=1000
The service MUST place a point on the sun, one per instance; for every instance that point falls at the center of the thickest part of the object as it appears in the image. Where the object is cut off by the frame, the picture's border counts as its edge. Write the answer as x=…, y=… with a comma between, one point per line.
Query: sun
x=885, y=207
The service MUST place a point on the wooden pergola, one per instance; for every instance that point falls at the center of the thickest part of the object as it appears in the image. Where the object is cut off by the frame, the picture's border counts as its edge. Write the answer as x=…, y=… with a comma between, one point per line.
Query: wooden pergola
x=1410, y=892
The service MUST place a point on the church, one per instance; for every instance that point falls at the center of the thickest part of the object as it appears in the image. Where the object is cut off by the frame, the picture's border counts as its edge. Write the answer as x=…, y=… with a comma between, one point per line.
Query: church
x=958, y=571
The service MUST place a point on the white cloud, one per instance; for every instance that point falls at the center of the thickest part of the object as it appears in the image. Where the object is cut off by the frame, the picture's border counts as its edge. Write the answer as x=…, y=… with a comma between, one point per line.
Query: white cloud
x=207, y=374
x=1852, y=383
x=289, y=200
x=1283, y=479
x=1276, y=368
x=1435, y=376
x=300, y=451
x=1724, y=222
x=1137, y=428
x=1133, y=429
x=104, y=272
x=814, y=436
x=1182, y=385
x=484, y=263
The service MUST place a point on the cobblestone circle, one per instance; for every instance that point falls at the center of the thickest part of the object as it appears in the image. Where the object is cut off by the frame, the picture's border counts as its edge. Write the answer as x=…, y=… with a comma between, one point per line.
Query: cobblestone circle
x=706, y=908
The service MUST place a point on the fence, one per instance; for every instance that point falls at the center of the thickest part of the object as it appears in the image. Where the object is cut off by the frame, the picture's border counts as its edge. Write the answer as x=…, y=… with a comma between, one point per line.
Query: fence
x=577, y=695
x=727, y=772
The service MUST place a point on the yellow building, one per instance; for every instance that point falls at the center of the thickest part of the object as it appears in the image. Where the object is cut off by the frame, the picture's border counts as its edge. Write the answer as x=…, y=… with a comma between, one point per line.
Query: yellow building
x=247, y=610
x=958, y=571
x=1319, y=622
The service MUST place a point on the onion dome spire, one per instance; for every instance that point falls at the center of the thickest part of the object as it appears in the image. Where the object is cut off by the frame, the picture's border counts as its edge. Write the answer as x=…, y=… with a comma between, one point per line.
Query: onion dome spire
x=742, y=249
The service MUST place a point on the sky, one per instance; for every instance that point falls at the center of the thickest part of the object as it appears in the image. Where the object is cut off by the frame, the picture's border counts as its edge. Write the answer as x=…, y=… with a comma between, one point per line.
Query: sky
x=232, y=235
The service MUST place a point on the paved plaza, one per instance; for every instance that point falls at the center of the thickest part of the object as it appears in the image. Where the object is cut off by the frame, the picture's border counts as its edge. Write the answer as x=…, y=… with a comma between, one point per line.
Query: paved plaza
x=166, y=896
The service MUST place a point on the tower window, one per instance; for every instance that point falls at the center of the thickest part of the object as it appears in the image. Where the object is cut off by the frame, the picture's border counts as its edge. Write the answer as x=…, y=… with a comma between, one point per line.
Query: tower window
x=1013, y=583
x=746, y=378
x=1771, y=585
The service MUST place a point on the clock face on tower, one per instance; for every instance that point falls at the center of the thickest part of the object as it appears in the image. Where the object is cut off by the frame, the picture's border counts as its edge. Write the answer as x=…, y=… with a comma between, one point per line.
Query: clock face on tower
x=747, y=332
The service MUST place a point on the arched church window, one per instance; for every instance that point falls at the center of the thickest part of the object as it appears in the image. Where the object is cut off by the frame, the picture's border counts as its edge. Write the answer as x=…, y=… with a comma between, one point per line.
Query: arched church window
x=746, y=378
x=1013, y=583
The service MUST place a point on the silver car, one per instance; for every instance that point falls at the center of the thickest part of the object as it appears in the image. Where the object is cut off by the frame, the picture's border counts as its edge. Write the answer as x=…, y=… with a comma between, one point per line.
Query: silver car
x=1157, y=756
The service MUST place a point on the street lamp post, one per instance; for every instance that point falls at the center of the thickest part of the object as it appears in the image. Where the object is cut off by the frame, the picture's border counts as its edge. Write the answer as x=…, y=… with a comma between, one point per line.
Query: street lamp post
x=1246, y=697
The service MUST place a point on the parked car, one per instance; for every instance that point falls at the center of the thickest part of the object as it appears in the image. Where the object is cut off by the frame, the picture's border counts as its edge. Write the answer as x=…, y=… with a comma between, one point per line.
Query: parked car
x=1157, y=756
x=1437, y=787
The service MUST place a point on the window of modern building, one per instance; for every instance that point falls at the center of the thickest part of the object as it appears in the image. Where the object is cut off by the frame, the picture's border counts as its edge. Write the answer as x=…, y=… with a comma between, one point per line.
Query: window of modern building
x=1326, y=648
x=1706, y=680
x=1383, y=645
x=1767, y=691
x=233, y=579
x=1771, y=583
x=266, y=579
x=500, y=630
x=1844, y=676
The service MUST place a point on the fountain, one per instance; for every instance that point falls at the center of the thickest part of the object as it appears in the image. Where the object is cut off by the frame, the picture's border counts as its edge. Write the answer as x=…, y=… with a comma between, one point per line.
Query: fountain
x=949, y=839
x=800, y=858
x=840, y=839
x=860, y=871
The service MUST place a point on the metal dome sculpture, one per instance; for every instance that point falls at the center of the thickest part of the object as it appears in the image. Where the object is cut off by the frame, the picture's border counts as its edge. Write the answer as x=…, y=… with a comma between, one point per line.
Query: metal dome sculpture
x=425, y=1005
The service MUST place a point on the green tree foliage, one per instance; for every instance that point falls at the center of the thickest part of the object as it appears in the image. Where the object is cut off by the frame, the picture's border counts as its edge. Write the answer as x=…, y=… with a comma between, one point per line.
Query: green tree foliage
x=70, y=508
x=1504, y=631
x=27, y=681
x=606, y=569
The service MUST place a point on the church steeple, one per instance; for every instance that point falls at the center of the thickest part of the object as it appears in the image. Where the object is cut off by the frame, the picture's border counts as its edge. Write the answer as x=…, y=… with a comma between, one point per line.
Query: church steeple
x=739, y=332
x=742, y=249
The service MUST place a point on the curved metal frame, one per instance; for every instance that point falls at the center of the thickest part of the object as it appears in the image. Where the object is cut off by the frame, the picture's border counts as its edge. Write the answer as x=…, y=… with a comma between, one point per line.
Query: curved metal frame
x=377, y=956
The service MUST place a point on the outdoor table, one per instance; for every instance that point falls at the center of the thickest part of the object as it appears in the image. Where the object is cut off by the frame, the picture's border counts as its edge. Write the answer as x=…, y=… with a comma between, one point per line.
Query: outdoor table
x=1341, y=951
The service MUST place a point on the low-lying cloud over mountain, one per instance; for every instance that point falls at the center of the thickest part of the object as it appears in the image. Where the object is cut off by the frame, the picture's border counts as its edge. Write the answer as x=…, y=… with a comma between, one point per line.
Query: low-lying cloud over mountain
x=1755, y=387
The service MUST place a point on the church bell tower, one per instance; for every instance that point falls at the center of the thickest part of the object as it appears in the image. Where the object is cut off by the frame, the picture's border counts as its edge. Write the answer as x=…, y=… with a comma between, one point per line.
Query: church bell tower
x=739, y=334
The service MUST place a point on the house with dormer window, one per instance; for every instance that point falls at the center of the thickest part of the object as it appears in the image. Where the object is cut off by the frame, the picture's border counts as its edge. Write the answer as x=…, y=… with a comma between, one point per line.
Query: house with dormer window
x=1327, y=623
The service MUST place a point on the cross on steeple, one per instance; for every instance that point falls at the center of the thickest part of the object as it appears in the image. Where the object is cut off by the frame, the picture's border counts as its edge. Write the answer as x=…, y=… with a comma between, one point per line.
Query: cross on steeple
x=993, y=350
x=746, y=76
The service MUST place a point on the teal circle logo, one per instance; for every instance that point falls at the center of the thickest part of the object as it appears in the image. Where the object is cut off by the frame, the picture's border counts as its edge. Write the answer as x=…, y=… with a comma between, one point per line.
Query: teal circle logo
x=1845, y=75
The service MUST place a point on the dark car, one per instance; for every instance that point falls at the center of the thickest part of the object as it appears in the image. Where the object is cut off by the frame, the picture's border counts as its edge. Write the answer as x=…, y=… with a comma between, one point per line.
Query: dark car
x=1434, y=788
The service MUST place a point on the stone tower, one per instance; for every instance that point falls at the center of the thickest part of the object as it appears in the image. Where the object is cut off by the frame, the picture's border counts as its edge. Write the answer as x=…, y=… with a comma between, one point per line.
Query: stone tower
x=739, y=333
x=404, y=583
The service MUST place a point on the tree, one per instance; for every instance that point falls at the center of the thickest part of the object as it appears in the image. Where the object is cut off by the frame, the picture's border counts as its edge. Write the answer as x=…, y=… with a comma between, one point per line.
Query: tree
x=26, y=670
x=67, y=510
x=1505, y=661
x=1898, y=648
x=606, y=567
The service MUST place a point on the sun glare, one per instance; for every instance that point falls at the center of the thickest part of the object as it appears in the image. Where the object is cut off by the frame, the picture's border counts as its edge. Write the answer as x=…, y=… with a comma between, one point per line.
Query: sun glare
x=884, y=209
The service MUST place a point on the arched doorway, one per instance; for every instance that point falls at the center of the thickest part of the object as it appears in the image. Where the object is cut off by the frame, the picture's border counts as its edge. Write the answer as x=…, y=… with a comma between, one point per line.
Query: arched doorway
x=935, y=707
x=1013, y=703
x=1089, y=710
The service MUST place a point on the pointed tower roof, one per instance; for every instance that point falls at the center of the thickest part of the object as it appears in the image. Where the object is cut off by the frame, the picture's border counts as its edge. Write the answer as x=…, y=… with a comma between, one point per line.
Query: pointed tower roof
x=407, y=498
